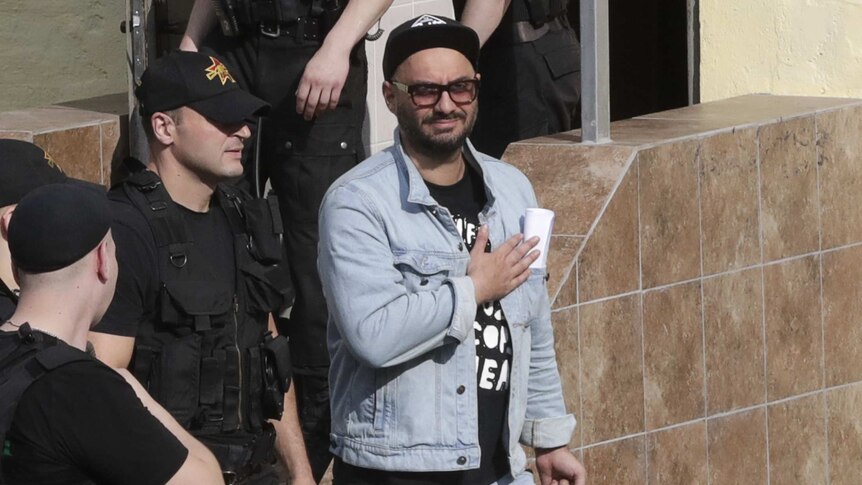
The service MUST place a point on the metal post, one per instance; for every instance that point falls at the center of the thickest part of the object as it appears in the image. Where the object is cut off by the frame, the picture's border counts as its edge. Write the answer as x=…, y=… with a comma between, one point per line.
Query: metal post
x=137, y=29
x=595, y=73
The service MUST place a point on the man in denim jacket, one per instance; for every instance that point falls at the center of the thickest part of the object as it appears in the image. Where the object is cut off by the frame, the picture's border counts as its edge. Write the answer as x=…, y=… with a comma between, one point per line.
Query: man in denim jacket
x=440, y=333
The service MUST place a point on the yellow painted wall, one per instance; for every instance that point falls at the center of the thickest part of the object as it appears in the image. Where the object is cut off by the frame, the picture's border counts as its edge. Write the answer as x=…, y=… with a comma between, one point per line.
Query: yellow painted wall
x=60, y=50
x=805, y=47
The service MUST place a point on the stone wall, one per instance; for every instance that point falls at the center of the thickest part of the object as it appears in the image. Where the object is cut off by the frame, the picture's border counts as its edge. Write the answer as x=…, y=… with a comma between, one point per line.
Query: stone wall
x=706, y=275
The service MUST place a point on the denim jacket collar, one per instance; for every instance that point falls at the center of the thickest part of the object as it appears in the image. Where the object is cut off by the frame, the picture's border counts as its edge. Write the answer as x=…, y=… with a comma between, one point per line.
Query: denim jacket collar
x=417, y=190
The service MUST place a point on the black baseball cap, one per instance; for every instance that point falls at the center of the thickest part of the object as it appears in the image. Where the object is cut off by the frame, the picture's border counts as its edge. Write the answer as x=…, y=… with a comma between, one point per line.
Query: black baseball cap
x=198, y=81
x=428, y=32
x=24, y=167
x=56, y=225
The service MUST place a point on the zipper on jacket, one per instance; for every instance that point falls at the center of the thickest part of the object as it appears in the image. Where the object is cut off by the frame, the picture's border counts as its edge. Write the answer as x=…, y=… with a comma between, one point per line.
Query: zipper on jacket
x=239, y=360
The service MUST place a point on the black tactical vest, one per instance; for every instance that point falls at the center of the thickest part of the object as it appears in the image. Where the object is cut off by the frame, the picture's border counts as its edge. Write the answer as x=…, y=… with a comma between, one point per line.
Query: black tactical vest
x=24, y=358
x=207, y=356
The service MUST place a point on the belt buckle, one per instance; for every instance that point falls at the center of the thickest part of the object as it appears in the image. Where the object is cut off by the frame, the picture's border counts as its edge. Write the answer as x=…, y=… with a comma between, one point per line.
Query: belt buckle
x=274, y=33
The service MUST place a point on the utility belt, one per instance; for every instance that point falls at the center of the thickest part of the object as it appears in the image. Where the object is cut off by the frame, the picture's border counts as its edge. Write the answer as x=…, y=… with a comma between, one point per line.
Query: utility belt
x=300, y=29
x=303, y=20
x=525, y=31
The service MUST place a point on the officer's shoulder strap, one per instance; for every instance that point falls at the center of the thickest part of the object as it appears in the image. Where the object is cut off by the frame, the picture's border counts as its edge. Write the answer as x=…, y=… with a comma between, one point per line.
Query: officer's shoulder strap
x=147, y=193
x=23, y=362
x=231, y=200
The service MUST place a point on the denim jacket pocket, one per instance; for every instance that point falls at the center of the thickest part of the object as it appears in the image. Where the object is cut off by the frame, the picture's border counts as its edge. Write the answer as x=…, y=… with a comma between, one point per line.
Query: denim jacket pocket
x=523, y=303
x=423, y=271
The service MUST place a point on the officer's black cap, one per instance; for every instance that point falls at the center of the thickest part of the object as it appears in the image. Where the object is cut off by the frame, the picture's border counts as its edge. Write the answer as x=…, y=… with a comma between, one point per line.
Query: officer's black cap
x=56, y=225
x=428, y=32
x=200, y=82
x=24, y=167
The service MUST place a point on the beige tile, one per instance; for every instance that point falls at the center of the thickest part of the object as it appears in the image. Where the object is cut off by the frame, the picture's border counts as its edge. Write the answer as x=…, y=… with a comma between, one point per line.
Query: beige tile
x=842, y=307
x=618, y=463
x=677, y=456
x=16, y=135
x=845, y=435
x=793, y=327
x=673, y=355
x=669, y=217
x=645, y=131
x=561, y=257
x=733, y=321
x=797, y=441
x=112, y=150
x=840, y=176
x=612, y=385
x=753, y=108
x=565, y=324
x=575, y=181
x=737, y=449
x=610, y=262
x=50, y=118
x=568, y=293
x=788, y=180
x=78, y=151
x=731, y=234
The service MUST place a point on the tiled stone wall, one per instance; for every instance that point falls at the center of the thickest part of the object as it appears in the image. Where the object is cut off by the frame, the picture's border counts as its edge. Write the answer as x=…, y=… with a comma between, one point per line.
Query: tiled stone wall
x=82, y=139
x=706, y=271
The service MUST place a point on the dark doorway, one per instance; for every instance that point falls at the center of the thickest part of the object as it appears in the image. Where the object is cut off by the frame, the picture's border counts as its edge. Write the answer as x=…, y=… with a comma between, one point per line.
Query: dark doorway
x=649, y=54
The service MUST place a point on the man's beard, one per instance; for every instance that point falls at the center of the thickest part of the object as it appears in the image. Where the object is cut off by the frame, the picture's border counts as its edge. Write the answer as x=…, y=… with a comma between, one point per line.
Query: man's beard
x=441, y=146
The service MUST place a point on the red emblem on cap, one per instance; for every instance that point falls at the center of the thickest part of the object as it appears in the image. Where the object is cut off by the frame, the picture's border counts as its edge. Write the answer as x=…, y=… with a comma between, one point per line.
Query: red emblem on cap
x=220, y=70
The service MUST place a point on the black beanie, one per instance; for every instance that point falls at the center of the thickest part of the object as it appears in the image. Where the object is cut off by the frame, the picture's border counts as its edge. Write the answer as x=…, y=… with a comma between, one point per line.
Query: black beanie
x=23, y=167
x=56, y=225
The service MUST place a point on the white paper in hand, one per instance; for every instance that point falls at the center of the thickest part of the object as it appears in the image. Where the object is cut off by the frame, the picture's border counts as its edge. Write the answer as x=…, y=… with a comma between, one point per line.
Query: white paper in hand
x=539, y=222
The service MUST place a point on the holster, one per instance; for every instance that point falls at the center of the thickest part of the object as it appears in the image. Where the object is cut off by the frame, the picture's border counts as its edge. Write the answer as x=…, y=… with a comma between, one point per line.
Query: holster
x=277, y=372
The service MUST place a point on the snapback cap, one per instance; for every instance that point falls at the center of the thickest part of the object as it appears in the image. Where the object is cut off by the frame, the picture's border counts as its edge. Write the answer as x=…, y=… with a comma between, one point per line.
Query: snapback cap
x=200, y=82
x=428, y=32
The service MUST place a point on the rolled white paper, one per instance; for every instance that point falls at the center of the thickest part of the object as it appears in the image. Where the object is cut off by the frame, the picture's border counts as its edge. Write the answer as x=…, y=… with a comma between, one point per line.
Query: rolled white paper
x=539, y=222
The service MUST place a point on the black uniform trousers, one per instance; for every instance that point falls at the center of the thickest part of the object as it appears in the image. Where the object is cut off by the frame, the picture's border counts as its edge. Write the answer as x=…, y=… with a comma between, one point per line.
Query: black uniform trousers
x=302, y=159
x=528, y=89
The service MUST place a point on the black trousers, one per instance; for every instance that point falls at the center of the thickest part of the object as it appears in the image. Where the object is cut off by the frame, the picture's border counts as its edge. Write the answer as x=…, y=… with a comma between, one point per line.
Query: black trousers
x=302, y=159
x=533, y=87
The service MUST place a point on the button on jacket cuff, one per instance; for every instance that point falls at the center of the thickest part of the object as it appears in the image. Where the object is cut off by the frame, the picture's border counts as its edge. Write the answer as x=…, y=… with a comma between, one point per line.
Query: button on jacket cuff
x=548, y=432
x=464, y=312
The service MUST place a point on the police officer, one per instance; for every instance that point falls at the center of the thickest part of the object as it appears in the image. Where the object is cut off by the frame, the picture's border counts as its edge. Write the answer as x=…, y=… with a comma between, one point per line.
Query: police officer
x=23, y=167
x=530, y=65
x=307, y=59
x=71, y=419
x=199, y=274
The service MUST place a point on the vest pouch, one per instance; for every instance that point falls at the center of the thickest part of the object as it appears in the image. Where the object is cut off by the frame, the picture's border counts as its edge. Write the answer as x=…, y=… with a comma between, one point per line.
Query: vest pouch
x=267, y=288
x=264, y=228
x=194, y=303
x=175, y=378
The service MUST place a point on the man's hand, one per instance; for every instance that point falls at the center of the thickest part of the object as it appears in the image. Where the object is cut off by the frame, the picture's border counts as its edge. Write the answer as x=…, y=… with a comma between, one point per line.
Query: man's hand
x=558, y=466
x=498, y=273
x=322, y=81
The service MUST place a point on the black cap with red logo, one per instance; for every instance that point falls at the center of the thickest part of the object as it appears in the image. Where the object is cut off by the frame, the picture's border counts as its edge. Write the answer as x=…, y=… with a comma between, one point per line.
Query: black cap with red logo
x=200, y=82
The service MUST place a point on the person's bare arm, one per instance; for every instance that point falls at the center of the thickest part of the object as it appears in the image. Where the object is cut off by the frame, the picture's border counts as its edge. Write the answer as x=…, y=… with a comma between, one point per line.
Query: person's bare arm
x=326, y=72
x=115, y=351
x=484, y=16
x=289, y=441
x=200, y=465
x=201, y=20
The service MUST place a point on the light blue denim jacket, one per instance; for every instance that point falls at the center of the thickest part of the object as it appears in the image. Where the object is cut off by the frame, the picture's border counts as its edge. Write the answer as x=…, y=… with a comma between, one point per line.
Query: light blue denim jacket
x=401, y=338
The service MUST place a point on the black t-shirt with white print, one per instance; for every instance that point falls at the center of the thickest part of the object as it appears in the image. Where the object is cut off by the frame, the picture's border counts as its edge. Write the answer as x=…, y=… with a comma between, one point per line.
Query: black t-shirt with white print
x=464, y=200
